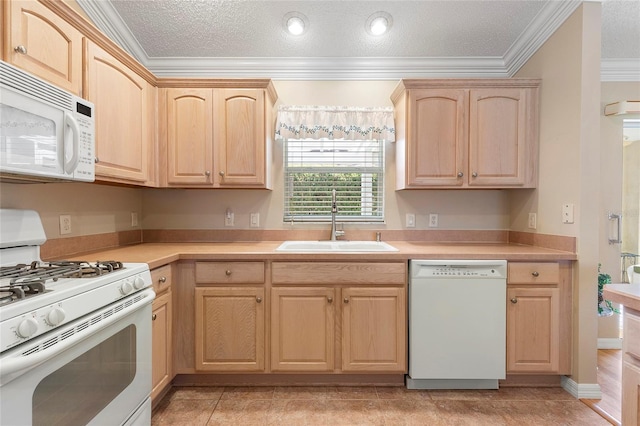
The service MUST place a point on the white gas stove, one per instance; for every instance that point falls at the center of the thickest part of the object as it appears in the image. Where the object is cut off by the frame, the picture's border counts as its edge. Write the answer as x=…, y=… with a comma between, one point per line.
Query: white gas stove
x=65, y=325
x=36, y=296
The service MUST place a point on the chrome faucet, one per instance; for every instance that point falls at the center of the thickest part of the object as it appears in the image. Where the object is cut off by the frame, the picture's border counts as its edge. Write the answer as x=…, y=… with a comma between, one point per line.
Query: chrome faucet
x=335, y=234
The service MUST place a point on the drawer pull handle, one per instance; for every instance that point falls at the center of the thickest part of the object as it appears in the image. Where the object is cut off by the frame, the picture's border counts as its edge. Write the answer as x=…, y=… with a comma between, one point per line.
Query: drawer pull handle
x=21, y=49
x=535, y=273
x=228, y=272
x=346, y=300
x=162, y=280
x=153, y=317
x=259, y=299
x=514, y=300
x=330, y=299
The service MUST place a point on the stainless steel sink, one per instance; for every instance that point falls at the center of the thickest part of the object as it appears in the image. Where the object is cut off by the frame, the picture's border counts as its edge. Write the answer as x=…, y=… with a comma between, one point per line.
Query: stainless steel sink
x=335, y=246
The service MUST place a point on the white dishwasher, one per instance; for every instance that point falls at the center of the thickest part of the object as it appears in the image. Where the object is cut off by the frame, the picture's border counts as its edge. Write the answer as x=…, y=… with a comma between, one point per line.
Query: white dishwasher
x=457, y=324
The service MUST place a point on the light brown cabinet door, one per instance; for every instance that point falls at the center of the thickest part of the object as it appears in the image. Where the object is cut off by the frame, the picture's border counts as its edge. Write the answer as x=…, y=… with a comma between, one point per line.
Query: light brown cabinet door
x=189, y=136
x=44, y=44
x=161, y=374
x=302, y=329
x=373, y=329
x=533, y=325
x=229, y=329
x=437, y=139
x=240, y=137
x=630, y=392
x=124, y=144
x=497, y=136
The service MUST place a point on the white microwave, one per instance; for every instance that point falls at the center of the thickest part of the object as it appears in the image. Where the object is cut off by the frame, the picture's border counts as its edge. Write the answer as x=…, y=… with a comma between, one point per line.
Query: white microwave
x=46, y=133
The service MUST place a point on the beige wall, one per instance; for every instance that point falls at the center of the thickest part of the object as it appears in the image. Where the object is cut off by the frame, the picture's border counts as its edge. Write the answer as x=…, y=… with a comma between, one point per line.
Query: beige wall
x=94, y=209
x=569, y=64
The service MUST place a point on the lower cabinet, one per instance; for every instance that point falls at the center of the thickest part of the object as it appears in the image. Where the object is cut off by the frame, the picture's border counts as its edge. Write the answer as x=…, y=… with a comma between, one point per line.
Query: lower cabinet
x=161, y=337
x=302, y=329
x=374, y=329
x=539, y=318
x=630, y=391
x=229, y=328
x=338, y=316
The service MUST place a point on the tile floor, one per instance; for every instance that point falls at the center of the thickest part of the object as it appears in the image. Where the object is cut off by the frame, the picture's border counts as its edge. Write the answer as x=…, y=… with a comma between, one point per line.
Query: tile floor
x=370, y=406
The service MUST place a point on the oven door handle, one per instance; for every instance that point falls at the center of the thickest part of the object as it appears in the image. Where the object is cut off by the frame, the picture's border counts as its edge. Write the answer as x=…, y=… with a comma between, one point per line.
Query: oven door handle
x=11, y=368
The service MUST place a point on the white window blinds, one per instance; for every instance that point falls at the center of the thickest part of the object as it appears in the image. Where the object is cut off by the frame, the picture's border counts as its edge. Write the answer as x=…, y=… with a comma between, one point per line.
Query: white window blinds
x=313, y=168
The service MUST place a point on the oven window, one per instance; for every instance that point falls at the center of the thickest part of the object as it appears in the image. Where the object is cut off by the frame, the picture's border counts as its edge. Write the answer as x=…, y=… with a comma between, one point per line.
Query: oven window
x=78, y=391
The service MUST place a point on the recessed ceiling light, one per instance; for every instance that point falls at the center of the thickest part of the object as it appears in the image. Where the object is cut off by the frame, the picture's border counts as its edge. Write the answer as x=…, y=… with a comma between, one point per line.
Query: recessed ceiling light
x=378, y=23
x=295, y=23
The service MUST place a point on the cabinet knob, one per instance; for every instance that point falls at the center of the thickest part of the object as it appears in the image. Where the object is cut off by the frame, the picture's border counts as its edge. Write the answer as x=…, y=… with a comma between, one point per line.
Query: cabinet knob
x=535, y=273
x=460, y=174
x=162, y=279
x=330, y=299
x=474, y=174
x=228, y=272
x=96, y=160
x=514, y=300
x=153, y=317
x=221, y=173
x=346, y=300
x=259, y=299
x=207, y=173
x=20, y=49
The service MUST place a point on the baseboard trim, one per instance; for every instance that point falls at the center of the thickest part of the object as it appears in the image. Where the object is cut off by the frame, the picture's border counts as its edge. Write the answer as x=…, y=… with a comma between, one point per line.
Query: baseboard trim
x=581, y=390
x=609, y=343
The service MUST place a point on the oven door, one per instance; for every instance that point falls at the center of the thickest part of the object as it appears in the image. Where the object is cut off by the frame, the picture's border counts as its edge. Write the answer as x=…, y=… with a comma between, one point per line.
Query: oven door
x=97, y=370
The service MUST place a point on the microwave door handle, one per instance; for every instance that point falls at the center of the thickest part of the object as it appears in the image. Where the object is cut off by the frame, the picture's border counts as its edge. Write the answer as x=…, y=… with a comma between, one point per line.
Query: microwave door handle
x=70, y=121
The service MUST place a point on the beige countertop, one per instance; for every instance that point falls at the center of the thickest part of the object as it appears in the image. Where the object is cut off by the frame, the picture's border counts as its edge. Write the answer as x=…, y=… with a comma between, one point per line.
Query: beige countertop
x=158, y=254
x=625, y=294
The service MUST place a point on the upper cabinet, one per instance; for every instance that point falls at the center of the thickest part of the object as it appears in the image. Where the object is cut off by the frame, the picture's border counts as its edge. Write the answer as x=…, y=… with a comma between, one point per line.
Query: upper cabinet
x=216, y=137
x=125, y=110
x=467, y=133
x=40, y=42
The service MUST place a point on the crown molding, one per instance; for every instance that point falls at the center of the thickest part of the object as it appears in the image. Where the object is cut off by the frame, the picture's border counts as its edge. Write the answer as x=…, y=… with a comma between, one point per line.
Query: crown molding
x=109, y=21
x=543, y=25
x=620, y=69
x=328, y=68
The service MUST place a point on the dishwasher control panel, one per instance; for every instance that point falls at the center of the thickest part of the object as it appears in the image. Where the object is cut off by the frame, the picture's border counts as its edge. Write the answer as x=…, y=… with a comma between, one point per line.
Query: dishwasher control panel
x=421, y=269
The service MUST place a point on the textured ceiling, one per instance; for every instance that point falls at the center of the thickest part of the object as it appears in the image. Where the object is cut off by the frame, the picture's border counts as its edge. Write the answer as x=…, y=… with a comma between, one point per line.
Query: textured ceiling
x=427, y=38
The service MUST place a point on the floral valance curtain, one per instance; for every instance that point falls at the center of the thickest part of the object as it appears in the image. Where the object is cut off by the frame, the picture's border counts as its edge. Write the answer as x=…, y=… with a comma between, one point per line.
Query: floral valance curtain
x=335, y=122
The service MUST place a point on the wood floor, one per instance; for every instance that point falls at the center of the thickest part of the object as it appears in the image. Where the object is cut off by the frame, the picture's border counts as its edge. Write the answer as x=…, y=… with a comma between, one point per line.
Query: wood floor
x=609, y=378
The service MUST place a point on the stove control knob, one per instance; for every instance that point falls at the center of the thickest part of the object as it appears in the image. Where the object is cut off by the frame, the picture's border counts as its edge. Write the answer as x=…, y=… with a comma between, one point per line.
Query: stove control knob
x=27, y=327
x=55, y=316
x=126, y=288
x=138, y=283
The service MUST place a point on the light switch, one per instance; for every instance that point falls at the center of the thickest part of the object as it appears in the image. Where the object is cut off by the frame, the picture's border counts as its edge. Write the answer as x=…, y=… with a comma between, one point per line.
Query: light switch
x=410, y=220
x=255, y=220
x=567, y=213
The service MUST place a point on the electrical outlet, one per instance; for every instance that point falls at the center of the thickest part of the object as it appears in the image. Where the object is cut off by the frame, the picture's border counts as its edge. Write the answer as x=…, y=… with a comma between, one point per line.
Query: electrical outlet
x=255, y=220
x=65, y=224
x=410, y=220
x=134, y=218
x=228, y=218
x=433, y=220
x=533, y=221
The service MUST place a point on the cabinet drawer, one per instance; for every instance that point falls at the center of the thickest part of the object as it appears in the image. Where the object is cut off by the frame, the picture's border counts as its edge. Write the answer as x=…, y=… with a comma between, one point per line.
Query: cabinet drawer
x=338, y=273
x=230, y=272
x=631, y=340
x=533, y=273
x=161, y=278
